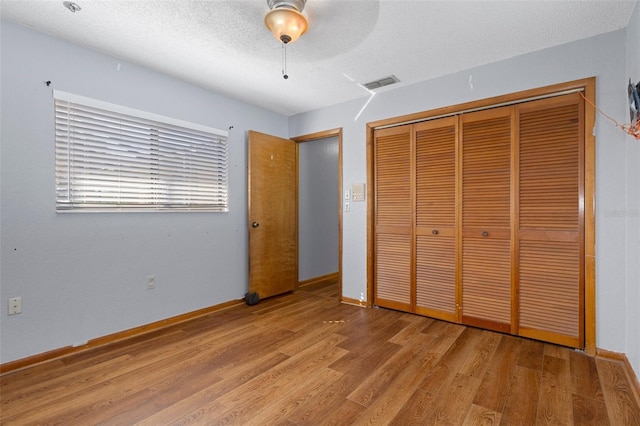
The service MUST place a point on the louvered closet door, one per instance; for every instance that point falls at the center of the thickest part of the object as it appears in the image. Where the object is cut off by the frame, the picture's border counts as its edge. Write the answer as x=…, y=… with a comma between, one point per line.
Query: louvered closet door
x=436, y=218
x=550, y=220
x=486, y=219
x=393, y=213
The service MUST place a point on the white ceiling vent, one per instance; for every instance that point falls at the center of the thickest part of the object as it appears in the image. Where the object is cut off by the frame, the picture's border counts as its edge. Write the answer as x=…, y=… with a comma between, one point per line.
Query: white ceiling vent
x=382, y=82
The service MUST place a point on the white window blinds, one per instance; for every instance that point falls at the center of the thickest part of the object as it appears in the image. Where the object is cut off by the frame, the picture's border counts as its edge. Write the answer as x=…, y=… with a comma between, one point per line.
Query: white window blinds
x=112, y=158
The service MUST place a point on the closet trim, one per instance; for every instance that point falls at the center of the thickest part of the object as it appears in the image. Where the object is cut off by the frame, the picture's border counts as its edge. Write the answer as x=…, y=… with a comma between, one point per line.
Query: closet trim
x=587, y=87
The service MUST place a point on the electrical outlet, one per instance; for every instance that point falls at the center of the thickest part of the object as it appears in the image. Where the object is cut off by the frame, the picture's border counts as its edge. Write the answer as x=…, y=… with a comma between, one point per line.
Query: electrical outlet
x=151, y=282
x=15, y=305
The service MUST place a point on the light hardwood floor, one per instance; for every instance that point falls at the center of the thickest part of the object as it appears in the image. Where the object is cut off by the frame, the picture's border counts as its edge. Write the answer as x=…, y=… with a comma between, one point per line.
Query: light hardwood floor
x=305, y=359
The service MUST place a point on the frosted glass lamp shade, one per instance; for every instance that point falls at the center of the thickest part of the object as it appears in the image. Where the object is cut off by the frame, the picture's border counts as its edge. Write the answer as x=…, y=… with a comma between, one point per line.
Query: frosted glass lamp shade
x=286, y=24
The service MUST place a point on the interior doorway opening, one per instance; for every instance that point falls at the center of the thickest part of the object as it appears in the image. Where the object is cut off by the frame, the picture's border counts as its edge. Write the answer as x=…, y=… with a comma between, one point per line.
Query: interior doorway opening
x=319, y=211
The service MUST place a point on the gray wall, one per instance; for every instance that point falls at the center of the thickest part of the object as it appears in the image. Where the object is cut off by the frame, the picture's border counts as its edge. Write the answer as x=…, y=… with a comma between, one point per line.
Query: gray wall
x=318, y=208
x=617, y=184
x=632, y=216
x=83, y=276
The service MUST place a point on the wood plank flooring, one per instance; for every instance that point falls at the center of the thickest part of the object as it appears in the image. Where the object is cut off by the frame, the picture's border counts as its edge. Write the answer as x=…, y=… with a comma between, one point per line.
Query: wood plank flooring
x=305, y=359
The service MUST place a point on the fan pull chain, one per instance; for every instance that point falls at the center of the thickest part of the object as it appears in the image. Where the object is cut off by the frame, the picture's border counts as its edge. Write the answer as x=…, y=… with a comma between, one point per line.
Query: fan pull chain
x=284, y=61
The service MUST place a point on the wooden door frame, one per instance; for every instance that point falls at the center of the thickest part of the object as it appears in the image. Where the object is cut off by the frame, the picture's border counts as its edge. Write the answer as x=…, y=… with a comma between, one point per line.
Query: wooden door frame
x=588, y=88
x=311, y=137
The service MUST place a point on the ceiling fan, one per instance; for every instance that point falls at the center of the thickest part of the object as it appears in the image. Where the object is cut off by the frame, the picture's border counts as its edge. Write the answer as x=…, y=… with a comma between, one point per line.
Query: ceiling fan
x=287, y=23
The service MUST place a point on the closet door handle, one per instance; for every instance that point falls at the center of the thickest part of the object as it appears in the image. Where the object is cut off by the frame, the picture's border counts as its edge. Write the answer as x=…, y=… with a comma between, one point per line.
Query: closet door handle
x=434, y=232
x=255, y=224
x=485, y=234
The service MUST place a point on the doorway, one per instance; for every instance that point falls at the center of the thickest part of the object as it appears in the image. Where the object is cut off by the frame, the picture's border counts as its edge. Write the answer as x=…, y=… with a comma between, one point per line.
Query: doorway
x=319, y=209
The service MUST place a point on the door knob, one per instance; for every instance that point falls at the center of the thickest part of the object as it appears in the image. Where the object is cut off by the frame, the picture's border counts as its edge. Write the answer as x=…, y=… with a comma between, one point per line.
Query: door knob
x=485, y=234
x=255, y=224
x=434, y=232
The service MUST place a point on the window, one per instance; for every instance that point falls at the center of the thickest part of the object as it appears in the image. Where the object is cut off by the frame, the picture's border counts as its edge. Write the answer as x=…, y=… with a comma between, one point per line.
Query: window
x=112, y=158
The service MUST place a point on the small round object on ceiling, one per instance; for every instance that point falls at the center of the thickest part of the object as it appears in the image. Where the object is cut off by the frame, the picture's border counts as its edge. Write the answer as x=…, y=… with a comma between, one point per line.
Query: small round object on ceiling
x=74, y=7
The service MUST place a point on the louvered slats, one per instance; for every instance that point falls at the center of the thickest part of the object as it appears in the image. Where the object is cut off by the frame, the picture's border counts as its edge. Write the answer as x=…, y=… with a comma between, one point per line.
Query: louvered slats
x=486, y=172
x=486, y=280
x=549, y=282
x=436, y=176
x=393, y=272
x=484, y=226
x=436, y=218
x=549, y=168
x=393, y=218
x=486, y=208
x=549, y=290
x=393, y=177
x=436, y=276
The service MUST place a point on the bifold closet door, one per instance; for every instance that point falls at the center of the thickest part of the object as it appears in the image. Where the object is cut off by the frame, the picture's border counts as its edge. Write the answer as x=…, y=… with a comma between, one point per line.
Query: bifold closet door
x=479, y=219
x=486, y=218
x=435, y=231
x=394, y=217
x=551, y=220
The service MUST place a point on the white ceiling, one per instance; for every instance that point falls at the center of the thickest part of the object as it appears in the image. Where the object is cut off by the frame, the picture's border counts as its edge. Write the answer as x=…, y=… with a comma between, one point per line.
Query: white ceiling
x=224, y=46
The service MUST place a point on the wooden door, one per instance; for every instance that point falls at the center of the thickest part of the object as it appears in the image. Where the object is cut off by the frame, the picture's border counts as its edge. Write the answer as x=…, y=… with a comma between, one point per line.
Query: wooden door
x=550, y=220
x=435, y=234
x=480, y=219
x=394, y=254
x=273, y=224
x=486, y=218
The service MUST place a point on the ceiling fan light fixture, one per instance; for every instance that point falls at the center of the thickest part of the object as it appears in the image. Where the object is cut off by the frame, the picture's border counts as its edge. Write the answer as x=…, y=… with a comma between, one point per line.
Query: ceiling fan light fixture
x=285, y=21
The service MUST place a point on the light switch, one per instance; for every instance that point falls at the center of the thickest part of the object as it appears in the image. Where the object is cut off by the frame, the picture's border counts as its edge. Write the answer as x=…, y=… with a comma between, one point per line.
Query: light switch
x=347, y=207
x=347, y=194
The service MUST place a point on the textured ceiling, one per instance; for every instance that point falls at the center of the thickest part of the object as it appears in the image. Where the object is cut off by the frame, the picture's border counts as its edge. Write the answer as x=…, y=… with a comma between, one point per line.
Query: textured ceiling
x=224, y=45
